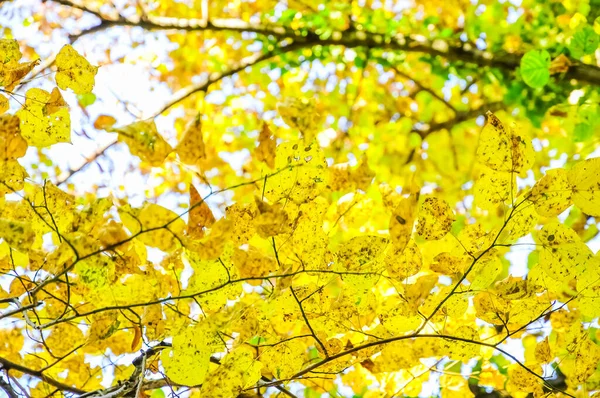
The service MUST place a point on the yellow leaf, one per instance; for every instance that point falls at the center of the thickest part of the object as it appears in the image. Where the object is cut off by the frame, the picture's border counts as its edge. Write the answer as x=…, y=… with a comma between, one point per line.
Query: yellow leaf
x=10, y=54
x=362, y=253
x=95, y=272
x=542, y=352
x=301, y=113
x=12, y=145
x=416, y=293
x=401, y=264
x=63, y=338
x=523, y=219
x=475, y=239
x=485, y=271
x=586, y=360
x=200, y=215
x=563, y=255
x=39, y=127
x=361, y=176
x=74, y=71
x=454, y=386
x=271, y=220
x=136, y=343
x=12, y=176
x=237, y=371
x=588, y=289
x=4, y=105
x=524, y=311
x=521, y=380
x=212, y=277
x=302, y=173
x=454, y=306
x=187, y=363
x=284, y=359
x=164, y=227
x=584, y=179
x=11, y=76
x=513, y=288
x=55, y=102
x=17, y=234
x=491, y=308
x=104, y=122
x=309, y=239
x=398, y=317
x=494, y=188
x=435, y=219
x=253, y=263
x=266, y=149
x=58, y=209
x=552, y=193
x=144, y=141
x=241, y=217
x=402, y=221
x=400, y=355
x=191, y=149
x=461, y=349
x=502, y=149
x=449, y=264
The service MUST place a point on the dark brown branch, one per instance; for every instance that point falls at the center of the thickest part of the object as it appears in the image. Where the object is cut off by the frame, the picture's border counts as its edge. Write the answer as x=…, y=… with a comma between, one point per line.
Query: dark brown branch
x=459, y=118
x=7, y=388
x=350, y=39
x=8, y=365
x=421, y=87
x=169, y=23
x=20, y=308
x=89, y=160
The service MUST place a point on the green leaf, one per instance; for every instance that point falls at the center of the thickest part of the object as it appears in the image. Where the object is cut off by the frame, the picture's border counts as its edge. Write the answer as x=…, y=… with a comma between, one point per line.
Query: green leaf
x=535, y=68
x=157, y=394
x=533, y=259
x=583, y=42
x=501, y=363
x=86, y=99
x=360, y=62
x=582, y=132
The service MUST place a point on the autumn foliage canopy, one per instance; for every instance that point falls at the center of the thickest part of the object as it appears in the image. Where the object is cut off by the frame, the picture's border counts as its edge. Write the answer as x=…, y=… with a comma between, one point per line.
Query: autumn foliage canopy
x=261, y=198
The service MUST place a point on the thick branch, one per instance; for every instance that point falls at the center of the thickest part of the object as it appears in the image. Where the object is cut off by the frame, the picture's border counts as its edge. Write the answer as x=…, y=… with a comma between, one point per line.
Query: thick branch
x=185, y=24
x=7, y=388
x=8, y=365
x=351, y=39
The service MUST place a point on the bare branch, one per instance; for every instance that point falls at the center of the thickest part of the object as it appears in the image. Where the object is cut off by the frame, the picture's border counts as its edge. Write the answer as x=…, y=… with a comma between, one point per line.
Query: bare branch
x=217, y=76
x=89, y=160
x=421, y=87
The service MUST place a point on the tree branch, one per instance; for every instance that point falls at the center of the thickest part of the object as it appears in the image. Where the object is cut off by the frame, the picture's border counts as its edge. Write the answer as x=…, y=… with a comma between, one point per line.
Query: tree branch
x=86, y=163
x=217, y=76
x=459, y=118
x=421, y=87
x=413, y=336
x=8, y=365
x=349, y=38
x=7, y=388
